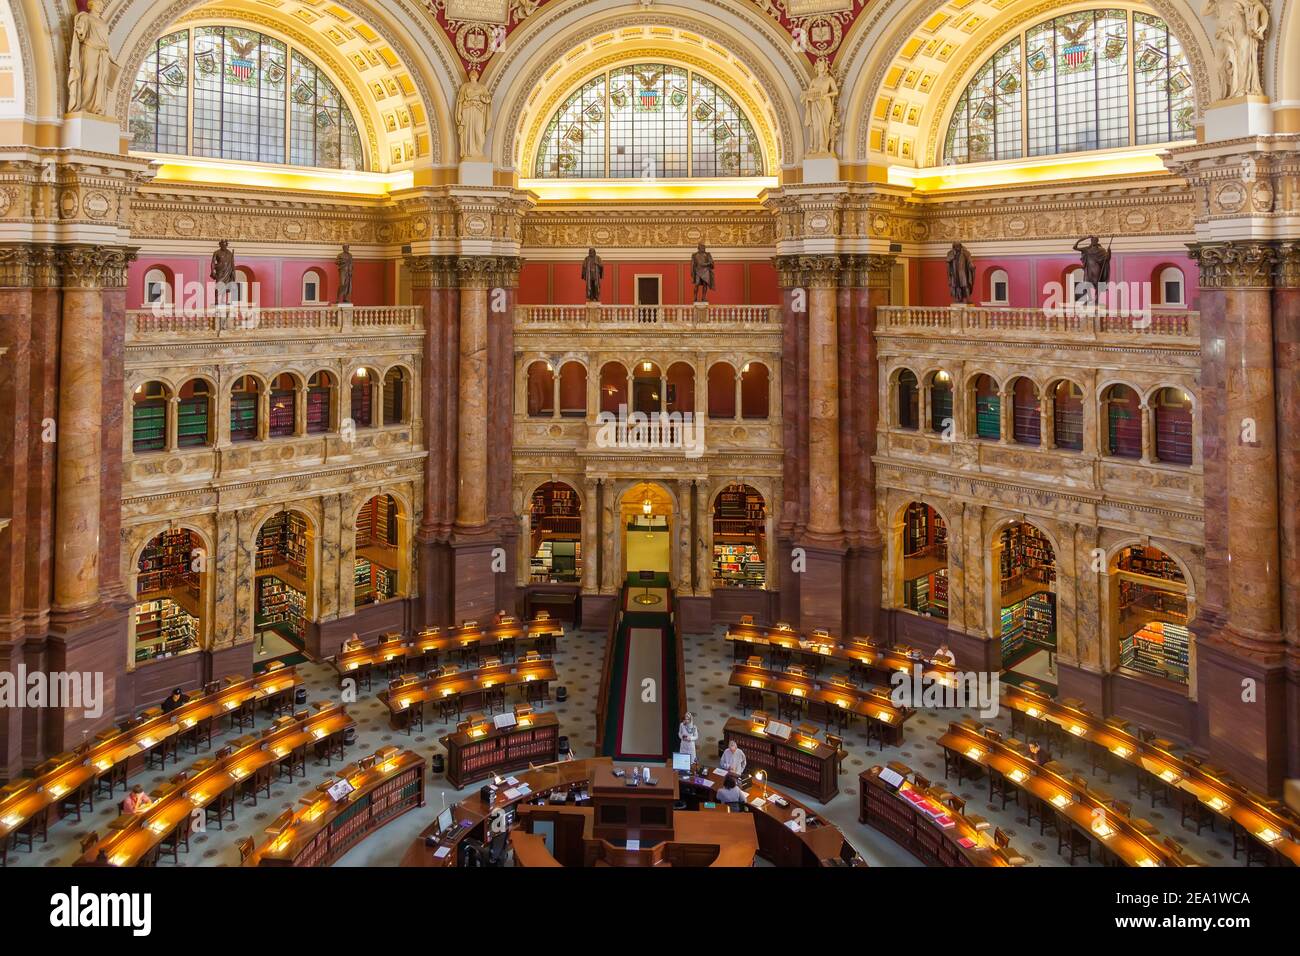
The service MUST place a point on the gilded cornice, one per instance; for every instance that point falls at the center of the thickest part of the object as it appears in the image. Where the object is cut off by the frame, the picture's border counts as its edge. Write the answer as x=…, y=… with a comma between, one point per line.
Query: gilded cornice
x=1236, y=265
x=1247, y=178
x=70, y=188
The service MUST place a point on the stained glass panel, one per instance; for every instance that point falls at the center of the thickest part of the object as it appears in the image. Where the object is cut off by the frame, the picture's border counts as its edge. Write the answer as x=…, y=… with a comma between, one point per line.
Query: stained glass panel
x=1075, y=77
x=243, y=84
x=648, y=120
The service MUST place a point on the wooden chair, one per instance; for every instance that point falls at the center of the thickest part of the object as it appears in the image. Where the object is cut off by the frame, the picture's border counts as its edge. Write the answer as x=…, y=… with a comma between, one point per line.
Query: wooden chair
x=362, y=675
x=449, y=708
x=329, y=747
x=954, y=803
x=1000, y=838
x=74, y=800
x=1070, y=837
x=1000, y=786
x=1202, y=816
x=1046, y=813
x=294, y=762
x=106, y=783
x=244, y=716
x=751, y=698
x=921, y=781
x=537, y=693
x=245, y=848
x=840, y=753
x=216, y=809
x=789, y=707
x=494, y=698
x=1244, y=841
x=201, y=732
x=178, y=837
x=414, y=717
x=156, y=758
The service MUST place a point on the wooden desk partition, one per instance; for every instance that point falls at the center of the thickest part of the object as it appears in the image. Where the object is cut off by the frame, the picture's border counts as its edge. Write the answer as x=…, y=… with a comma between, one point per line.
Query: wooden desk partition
x=392, y=647
x=862, y=651
x=872, y=702
x=1131, y=842
x=135, y=837
x=323, y=830
x=477, y=754
x=473, y=681
x=802, y=763
x=947, y=840
x=1267, y=822
x=124, y=751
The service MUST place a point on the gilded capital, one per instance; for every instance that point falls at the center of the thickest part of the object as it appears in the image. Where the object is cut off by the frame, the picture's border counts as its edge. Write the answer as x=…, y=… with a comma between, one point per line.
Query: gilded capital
x=477, y=272
x=28, y=266
x=1235, y=265
x=431, y=272
x=1288, y=265
x=94, y=267
x=821, y=272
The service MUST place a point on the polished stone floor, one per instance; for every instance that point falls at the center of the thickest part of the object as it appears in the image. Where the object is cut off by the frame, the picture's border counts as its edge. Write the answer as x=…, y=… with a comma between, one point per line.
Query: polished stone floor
x=578, y=663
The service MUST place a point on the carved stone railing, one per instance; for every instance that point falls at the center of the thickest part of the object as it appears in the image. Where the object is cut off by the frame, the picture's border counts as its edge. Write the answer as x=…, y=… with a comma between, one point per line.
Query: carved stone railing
x=1168, y=325
x=667, y=317
x=242, y=320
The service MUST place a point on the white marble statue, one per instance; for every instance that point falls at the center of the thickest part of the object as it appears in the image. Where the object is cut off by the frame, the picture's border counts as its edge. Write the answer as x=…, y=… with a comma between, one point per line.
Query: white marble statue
x=819, y=111
x=89, y=64
x=1239, y=34
x=472, y=105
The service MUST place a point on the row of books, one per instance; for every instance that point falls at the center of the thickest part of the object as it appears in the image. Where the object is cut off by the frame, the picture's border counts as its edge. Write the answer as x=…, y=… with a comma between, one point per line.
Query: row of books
x=385, y=801
x=1160, y=648
x=280, y=605
x=511, y=750
x=1029, y=622
x=1026, y=553
x=167, y=563
x=163, y=628
x=283, y=540
x=927, y=594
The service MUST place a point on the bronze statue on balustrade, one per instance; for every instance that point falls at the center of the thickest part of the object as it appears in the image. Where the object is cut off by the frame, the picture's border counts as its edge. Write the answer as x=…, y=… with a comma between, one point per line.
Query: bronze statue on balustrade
x=702, y=273
x=344, y=263
x=223, y=271
x=593, y=270
x=1096, y=268
x=961, y=273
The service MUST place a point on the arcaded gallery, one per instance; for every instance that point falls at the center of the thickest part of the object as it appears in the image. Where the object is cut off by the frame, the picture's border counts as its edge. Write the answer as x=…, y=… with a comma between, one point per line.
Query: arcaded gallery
x=650, y=433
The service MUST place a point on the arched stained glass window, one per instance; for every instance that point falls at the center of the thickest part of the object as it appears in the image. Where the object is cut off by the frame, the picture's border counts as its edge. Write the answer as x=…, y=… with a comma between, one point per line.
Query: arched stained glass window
x=648, y=120
x=1063, y=86
x=250, y=97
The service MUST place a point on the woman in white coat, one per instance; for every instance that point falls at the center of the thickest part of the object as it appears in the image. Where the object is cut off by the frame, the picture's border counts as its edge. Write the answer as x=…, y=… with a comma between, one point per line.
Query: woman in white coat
x=688, y=733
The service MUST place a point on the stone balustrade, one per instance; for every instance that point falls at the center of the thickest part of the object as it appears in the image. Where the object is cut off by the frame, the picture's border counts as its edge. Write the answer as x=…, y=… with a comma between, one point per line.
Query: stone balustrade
x=1081, y=324
x=242, y=320
x=684, y=317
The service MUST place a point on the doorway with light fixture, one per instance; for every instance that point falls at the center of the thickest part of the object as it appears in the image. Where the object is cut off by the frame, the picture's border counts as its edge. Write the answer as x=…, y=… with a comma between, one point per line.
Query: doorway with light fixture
x=649, y=296
x=646, y=520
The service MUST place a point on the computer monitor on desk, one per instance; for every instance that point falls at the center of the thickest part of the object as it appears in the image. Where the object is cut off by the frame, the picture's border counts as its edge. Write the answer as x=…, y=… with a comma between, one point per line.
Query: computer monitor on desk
x=445, y=821
x=682, y=762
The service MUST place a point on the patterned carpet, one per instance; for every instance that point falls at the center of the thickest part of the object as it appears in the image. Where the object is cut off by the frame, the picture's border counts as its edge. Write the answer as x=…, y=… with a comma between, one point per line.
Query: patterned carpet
x=578, y=663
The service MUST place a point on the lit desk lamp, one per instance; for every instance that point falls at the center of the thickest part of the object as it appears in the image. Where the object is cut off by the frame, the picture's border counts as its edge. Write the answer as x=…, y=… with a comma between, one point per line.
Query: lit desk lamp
x=761, y=777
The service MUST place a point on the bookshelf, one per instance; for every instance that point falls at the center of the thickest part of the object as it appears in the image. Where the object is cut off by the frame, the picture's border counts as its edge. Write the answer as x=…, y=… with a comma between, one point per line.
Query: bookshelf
x=1026, y=421
x=361, y=398
x=1067, y=417
x=1029, y=624
x=738, y=566
x=192, y=422
x=377, y=523
x=556, y=560
x=163, y=629
x=283, y=541
x=940, y=406
x=282, y=414
x=1173, y=432
x=166, y=563
x=501, y=750
x=927, y=594
x=1026, y=557
x=243, y=416
x=1151, y=562
x=149, y=425
x=318, y=410
x=1158, y=648
x=988, y=417
x=371, y=578
x=280, y=606
x=786, y=763
x=739, y=528
x=1125, y=429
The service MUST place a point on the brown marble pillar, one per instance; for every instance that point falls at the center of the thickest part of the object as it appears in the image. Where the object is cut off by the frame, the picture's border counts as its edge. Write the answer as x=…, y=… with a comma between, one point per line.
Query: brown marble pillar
x=472, y=433
x=1241, y=681
x=501, y=302
x=1286, y=359
x=794, y=437
x=433, y=289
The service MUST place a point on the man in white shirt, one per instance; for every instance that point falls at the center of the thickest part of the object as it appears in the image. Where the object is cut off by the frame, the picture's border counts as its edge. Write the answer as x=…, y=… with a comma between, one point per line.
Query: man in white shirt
x=944, y=655
x=733, y=760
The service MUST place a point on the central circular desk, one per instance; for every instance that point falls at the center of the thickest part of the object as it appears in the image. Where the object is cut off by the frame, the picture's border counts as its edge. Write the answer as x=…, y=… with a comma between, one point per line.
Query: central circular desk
x=593, y=818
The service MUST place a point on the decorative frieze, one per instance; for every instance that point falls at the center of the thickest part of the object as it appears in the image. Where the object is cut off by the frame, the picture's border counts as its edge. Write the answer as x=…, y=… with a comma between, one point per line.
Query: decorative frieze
x=642, y=229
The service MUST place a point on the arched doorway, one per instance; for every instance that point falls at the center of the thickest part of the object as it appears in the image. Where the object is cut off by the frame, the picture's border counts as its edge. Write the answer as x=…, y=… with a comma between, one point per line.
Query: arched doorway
x=171, y=576
x=923, y=561
x=283, y=586
x=1024, y=567
x=555, y=535
x=1149, y=611
x=739, y=538
x=379, y=572
x=646, y=517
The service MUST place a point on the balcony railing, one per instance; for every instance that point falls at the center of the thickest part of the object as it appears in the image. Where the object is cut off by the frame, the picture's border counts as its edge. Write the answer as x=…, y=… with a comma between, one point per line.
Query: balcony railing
x=597, y=316
x=1181, y=325
x=245, y=320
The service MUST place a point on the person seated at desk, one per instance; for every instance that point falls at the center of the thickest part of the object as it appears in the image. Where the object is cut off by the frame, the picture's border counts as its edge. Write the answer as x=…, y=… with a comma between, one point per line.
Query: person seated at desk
x=137, y=801
x=733, y=760
x=500, y=617
x=730, y=792
x=1040, y=754
x=944, y=655
x=174, y=700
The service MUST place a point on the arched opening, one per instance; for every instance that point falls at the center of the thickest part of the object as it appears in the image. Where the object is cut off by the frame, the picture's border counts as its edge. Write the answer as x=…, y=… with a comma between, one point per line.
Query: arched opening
x=362, y=390
x=909, y=400
x=1173, y=421
x=923, y=560
x=722, y=390
x=397, y=400
x=194, y=414
x=573, y=390
x=1173, y=291
x=1026, y=418
x=320, y=403
x=245, y=286
x=379, y=570
x=647, y=388
x=754, y=390
x=646, y=517
x=541, y=390
x=739, y=538
x=1123, y=415
x=613, y=387
x=555, y=526
x=1067, y=415
x=1025, y=568
x=940, y=401
x=149, y=417
x=169, y=592
x=284, y=585
x=313, y=287
x=1149, y=614
x=283, y=418
x=244, y=398
x=988, y=408
x=681, y=388
x=158, y=286
x=999, y=287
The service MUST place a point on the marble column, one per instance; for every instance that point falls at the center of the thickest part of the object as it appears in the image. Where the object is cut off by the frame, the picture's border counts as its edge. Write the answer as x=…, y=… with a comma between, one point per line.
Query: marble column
x=794, y=324
x=1286, y=356
x=590, y=540
x=823, y=399
x=1239, y=646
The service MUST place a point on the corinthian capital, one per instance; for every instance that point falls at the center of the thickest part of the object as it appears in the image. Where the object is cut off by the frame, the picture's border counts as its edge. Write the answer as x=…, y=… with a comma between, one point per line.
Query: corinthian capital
x=94, y=267
x=821, y=272
x=1236, y=265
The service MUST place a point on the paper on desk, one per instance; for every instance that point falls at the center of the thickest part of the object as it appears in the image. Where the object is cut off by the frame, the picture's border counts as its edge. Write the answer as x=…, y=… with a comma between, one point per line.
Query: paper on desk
x=719, y=772
x=793, y=824
x=512, y=780
x=441, y=852
x=758, y=803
